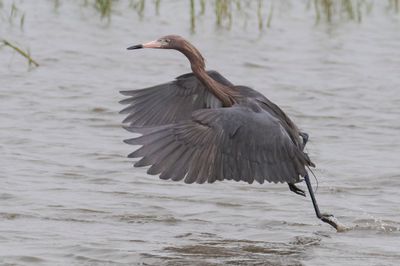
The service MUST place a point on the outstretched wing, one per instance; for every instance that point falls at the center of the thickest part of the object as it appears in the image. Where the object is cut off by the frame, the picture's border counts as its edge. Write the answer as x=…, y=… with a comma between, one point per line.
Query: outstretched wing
x=169, y=102
x=224, y=143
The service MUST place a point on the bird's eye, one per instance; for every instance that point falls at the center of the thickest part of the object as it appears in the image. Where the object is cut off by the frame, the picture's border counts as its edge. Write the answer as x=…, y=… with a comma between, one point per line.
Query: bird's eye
x=164, y=41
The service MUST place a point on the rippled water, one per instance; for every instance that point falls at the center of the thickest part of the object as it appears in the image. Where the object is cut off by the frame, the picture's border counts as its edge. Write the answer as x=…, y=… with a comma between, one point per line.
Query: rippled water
x=70, y=196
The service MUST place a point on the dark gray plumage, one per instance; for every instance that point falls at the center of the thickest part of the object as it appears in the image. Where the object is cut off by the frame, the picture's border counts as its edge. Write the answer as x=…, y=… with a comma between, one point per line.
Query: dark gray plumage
x=169, y=102
x=202, y=128
x=190, y=136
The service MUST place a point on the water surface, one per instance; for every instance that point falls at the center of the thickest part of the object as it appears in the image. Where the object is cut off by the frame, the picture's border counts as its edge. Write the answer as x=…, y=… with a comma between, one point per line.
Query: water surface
x=70, y=196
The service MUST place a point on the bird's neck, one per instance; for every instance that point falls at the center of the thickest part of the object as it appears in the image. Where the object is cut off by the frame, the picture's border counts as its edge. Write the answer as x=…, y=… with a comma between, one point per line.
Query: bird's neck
x=224, y=93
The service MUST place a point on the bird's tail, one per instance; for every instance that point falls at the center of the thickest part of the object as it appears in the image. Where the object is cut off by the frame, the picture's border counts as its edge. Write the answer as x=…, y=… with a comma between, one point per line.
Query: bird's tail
x=308, y=160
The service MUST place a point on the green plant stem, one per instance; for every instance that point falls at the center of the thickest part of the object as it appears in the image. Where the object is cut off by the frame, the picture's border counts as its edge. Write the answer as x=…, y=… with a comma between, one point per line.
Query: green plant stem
x=21, y=52
x=192, y=16
x=271, y=12
x=259, y=15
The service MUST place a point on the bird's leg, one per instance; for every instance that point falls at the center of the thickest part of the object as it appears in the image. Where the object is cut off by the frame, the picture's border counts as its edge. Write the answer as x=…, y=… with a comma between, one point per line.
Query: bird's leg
x=327, y=218
x=304, y=136
x=296, y=190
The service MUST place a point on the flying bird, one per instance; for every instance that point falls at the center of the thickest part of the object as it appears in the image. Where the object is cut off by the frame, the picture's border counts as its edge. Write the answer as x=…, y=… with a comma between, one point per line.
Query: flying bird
x=201, y=128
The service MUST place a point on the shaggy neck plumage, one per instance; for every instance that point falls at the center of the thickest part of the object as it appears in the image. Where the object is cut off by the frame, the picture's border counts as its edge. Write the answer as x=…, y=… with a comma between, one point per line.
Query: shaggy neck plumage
x=222, y=92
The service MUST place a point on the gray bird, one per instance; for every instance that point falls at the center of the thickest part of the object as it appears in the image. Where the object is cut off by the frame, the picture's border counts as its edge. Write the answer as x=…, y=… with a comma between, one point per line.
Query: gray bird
x=201, y=128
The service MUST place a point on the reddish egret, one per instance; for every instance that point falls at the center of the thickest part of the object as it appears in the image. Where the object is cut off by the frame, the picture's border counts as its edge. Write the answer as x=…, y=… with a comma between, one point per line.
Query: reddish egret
x=200, y=127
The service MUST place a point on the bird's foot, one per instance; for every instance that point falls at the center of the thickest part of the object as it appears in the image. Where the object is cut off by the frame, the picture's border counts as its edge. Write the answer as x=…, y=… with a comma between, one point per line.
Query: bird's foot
x=330, y=219
x=296, y=190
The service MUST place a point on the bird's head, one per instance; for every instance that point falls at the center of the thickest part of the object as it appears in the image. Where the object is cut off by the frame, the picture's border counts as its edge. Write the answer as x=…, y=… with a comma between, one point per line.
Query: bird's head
x=175, y=42
x=166, y=42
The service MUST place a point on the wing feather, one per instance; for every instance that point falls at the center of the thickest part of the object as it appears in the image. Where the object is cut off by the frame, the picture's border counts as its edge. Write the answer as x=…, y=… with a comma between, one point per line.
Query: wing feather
x=224, y=143
x=169, y=102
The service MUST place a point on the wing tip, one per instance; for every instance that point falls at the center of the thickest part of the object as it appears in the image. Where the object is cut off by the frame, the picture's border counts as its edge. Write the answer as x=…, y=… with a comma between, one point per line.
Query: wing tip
x=125, y=92
x=134, y=129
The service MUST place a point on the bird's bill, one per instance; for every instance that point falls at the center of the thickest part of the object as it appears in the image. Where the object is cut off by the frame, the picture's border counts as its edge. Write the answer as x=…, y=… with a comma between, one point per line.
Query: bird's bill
x=152, y=44
x=138, y=46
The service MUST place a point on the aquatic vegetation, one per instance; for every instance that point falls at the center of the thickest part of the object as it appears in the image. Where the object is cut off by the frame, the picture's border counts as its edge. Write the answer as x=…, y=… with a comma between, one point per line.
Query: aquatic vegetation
x=394, y=5
x=157, y=5
x=192, y=16
x=202, y=7
x=262, y=11
x=13, y=15
x=331, y=10
x=225, y=13
x=139, y=6
x=104, y=7
x=25, y=54
x=259, y=14
x=271, y=12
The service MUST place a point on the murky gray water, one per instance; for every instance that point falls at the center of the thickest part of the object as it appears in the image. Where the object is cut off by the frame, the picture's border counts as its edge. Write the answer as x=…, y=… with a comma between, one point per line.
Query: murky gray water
x=70, y=196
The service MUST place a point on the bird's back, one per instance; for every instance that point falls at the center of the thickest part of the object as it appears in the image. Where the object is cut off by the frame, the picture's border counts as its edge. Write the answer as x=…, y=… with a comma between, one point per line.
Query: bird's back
x=188, y=134
x=255, y=99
